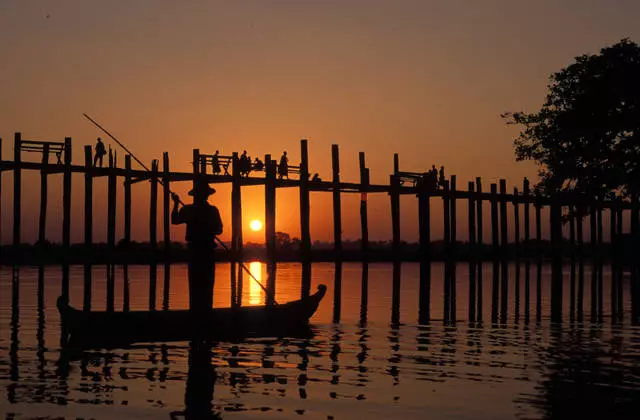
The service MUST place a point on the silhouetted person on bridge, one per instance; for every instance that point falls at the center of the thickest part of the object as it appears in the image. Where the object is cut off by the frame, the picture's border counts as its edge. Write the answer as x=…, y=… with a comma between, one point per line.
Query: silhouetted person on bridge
x=100, y=152
x=283, y=166
x=203, y=225
x=258, y=165
x=441, y=180
x=215, y=162
x=245, y=164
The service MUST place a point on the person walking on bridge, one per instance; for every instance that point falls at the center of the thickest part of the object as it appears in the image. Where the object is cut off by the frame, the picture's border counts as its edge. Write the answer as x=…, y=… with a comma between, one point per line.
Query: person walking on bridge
x=203, y=225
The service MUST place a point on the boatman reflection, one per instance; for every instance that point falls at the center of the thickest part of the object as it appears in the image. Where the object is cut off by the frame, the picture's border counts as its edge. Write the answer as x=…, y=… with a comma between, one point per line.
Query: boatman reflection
x=203, y=225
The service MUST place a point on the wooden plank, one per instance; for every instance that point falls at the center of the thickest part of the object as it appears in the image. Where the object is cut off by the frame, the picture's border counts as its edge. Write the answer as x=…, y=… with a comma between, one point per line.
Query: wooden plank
x=305, y=236
x=42, y=220
x=337, y=216
x=17, y=193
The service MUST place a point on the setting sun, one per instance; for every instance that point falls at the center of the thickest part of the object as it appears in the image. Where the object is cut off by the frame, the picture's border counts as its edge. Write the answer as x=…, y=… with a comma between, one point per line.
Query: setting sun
x=255, y=225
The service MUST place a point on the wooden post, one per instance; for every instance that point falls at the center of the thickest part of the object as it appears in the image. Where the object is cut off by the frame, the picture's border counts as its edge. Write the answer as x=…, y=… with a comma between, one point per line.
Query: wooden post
x=454, y=247
x=446, y=204
x=504, y=244
x=619, y=230
x=614, y=262
x=88, y=225
x=454, y=230
x=153, y=208
x=526, y=192
x=479, y=246
x=364, y=226
x=599, y=261
x=516, y=222
x=556, y=260
x=166, y=205
x=42, y=225
x=635, y=265
x=538, y=207
x=479, y=221
x=472, y=252
x=495, y=254
x=127, y=199
x=270, y=207
x=572, y=256
x=88, y=198
x=580, y=249
x=305, y=236
x=337, y=217
x=111, y=207
x=66, y=216
x=17, y=177
x=111, y=231
x=0, y=193
x=593, y=225
x=236, y=209
x=494, y=221
x=424, y=218
x=394, y=182
x=503, y=219
x=66, y=195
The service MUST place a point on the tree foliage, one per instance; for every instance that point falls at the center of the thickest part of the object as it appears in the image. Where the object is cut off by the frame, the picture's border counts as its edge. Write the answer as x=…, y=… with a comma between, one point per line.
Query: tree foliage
x=586, y=136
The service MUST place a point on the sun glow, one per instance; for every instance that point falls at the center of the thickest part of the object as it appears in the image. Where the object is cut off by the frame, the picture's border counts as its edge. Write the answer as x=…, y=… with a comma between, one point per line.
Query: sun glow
x=255, y=225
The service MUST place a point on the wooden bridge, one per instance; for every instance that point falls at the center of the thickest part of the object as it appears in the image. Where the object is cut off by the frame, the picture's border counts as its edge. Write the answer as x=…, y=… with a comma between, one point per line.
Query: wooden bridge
x=520, y=203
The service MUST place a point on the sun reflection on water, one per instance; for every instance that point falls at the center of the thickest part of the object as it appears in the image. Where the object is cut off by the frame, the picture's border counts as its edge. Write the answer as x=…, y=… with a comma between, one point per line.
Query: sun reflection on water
x=255, y=291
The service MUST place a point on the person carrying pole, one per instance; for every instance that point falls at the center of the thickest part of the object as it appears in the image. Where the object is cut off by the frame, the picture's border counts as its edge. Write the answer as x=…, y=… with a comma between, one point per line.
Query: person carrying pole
x=203, y=225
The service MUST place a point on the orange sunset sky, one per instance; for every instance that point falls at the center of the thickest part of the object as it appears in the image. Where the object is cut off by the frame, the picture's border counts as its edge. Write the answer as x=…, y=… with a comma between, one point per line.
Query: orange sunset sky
x=426, y=79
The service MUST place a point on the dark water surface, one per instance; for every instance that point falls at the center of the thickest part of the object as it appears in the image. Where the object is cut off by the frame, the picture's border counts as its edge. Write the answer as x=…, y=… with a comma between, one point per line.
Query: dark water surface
x=370, y=357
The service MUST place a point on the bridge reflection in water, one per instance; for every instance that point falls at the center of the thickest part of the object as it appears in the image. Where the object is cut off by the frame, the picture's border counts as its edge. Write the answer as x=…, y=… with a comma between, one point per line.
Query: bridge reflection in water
x=374, y=361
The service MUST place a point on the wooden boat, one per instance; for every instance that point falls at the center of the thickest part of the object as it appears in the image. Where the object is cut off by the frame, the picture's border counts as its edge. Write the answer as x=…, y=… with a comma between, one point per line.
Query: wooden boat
x=105, y=329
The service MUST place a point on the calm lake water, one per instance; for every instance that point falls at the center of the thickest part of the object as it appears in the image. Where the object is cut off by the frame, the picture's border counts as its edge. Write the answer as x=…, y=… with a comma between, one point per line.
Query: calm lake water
x=370, y=356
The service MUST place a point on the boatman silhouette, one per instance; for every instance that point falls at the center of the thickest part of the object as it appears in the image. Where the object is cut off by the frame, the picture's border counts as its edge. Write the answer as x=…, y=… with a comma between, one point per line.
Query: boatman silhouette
x=203, y=225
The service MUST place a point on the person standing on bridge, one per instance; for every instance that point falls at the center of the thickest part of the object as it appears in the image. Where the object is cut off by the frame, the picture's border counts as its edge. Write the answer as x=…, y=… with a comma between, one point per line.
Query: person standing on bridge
x=100, y=152
x=203, y=225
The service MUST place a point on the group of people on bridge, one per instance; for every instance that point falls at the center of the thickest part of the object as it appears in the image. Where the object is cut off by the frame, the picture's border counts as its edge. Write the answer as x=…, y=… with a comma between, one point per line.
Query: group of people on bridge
x=434, y=178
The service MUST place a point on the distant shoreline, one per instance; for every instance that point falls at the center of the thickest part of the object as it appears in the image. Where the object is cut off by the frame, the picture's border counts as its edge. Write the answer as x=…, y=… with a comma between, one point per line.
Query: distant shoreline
x=144, y=253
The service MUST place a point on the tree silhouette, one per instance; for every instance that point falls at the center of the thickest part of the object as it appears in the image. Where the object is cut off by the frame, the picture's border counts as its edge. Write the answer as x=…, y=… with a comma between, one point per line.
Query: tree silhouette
x=586, y=136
